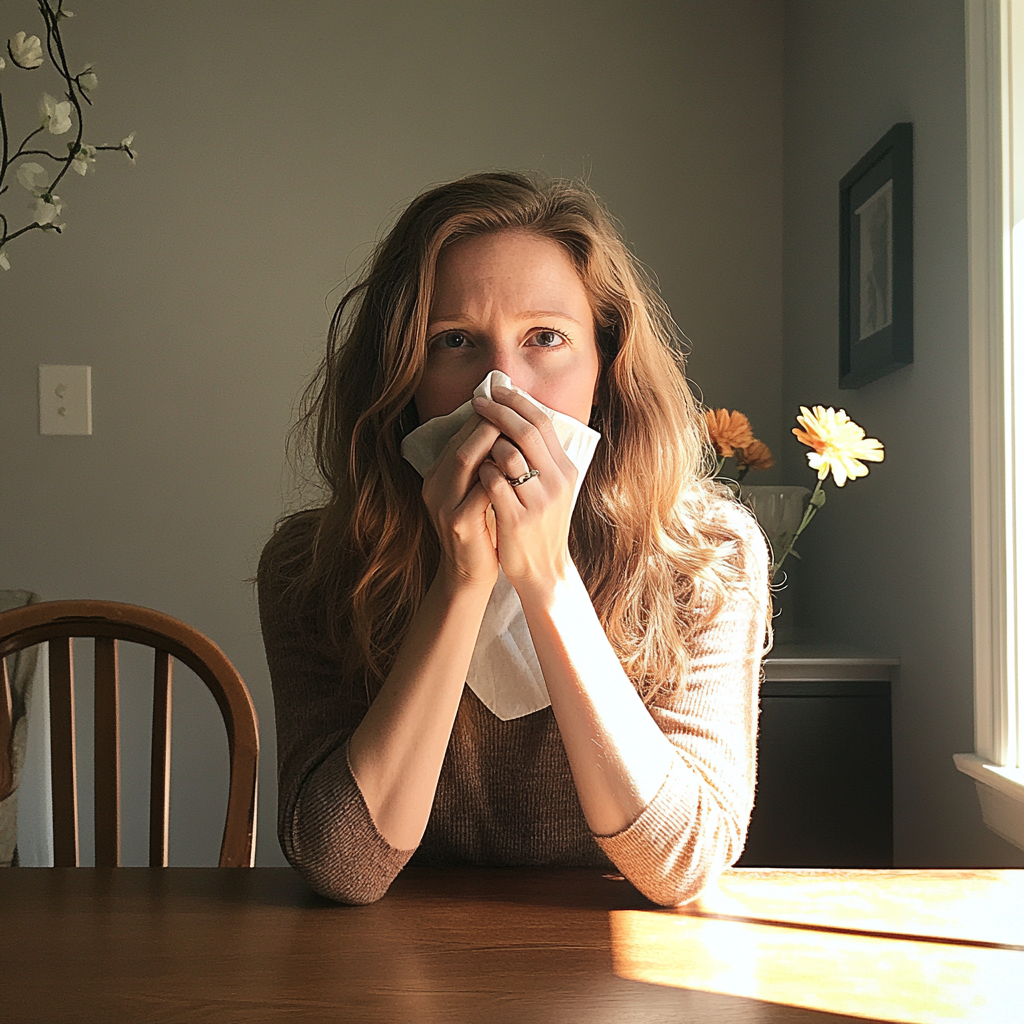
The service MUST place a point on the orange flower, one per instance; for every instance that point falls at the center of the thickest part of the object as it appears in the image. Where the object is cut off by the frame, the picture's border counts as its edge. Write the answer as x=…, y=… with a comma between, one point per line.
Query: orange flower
x=728, y=431
x=839, y=444
x=756, y=455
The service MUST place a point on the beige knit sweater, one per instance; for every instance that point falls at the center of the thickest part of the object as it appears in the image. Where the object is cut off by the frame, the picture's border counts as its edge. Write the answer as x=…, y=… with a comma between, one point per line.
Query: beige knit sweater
x=506, y=795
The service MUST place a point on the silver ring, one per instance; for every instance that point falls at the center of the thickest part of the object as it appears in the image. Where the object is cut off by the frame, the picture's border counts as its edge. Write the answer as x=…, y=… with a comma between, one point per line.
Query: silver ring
x=528, y=475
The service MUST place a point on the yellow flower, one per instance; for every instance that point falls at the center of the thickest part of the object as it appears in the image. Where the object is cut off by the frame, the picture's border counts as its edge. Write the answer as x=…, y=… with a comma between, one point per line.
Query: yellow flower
x=839, y=444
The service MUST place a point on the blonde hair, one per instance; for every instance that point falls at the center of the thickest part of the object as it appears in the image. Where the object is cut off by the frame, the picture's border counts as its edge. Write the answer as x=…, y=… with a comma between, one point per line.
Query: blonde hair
x=644, y=534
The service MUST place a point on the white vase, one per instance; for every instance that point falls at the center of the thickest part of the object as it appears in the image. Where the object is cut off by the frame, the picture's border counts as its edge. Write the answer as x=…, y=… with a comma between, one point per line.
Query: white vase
x=779, y=510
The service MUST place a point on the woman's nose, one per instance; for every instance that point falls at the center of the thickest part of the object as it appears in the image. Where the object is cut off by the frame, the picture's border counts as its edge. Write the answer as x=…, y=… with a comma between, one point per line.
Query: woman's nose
x=507, y=362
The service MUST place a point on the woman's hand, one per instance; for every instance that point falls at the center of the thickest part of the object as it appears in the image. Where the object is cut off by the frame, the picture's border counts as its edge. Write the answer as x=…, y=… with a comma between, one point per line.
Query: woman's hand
x=397, y=750
x=459, y=507
x=532, y=519
x=618, y=754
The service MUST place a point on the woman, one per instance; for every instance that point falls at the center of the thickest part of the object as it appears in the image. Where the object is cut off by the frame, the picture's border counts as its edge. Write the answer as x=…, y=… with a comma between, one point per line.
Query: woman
x=646, y=605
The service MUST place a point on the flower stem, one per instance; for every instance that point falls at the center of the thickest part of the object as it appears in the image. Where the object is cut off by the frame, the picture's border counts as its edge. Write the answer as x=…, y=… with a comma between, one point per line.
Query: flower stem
x=43, y=152
x=3, y=137
x=24, y=142
x=816, y=501
x=28, y=227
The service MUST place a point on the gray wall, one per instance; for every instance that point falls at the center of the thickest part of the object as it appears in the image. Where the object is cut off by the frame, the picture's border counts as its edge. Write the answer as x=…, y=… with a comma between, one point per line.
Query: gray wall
x=277, y=141
x=887, y=563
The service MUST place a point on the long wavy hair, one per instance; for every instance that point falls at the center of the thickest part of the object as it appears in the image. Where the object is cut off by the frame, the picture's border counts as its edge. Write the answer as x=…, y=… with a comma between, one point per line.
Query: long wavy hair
x=644, y=535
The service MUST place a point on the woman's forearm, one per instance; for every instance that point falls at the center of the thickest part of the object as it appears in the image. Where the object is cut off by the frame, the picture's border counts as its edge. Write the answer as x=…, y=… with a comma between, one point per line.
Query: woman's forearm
x=618, y=755
x=397, y=750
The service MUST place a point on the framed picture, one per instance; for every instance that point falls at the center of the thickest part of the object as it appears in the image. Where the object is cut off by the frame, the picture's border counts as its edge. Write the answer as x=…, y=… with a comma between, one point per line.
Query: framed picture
x=876, y=261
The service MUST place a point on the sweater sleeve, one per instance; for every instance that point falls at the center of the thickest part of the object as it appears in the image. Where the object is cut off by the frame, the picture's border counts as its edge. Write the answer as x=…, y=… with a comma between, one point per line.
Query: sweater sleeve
x=696, y=824
x=324, y=826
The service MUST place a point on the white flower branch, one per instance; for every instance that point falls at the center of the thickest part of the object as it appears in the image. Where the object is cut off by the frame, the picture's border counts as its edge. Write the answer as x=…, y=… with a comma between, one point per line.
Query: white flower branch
x=57, y=117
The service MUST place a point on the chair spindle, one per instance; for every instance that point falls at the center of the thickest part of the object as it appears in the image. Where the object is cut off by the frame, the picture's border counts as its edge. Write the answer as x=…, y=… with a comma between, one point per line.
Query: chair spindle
x=160, y=769
x=107, y=756
x=62, y=754
x=6, y=734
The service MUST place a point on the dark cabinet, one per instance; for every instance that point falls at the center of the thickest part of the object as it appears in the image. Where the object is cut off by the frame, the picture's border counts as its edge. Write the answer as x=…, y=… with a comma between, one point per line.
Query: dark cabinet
x=824, y=786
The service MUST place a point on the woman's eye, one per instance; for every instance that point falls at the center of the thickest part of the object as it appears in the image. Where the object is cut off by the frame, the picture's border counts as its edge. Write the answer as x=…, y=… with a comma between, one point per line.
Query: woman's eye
x=548, y=339
x=451, y=339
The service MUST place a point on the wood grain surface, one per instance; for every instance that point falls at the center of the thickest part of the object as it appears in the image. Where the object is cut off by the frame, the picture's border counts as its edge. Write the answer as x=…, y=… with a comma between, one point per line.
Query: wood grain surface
x=134, y=945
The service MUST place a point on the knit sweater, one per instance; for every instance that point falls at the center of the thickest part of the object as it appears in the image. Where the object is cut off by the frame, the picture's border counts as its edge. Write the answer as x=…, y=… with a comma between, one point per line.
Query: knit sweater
x=505, y=795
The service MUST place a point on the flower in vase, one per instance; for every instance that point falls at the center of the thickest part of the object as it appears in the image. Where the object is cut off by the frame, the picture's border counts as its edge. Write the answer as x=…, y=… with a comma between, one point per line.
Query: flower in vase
x=728, y=431
x=839, y=445
x=756, y=455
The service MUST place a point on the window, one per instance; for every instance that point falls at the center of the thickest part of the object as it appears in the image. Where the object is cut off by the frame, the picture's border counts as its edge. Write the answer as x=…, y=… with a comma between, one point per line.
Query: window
x=995, y=126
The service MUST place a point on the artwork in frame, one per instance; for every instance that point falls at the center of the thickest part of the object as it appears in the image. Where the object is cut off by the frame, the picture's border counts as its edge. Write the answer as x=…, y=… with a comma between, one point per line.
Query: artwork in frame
x=876, y=261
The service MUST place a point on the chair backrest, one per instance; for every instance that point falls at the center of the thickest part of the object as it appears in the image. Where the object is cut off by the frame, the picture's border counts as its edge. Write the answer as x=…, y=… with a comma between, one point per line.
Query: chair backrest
x=58, y=622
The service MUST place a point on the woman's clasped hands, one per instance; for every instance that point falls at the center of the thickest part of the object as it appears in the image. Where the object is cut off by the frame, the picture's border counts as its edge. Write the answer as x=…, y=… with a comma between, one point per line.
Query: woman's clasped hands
x=482, y=520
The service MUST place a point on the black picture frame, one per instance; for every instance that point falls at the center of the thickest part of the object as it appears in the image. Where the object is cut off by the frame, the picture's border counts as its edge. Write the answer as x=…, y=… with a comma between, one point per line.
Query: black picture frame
x=876, y=261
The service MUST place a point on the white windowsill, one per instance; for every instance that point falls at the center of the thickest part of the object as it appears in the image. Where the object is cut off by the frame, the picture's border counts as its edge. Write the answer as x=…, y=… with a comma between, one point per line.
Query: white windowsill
x=1001, y=793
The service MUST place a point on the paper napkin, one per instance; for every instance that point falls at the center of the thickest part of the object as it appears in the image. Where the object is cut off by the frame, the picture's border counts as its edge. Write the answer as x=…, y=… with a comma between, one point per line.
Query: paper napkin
x=504, y=672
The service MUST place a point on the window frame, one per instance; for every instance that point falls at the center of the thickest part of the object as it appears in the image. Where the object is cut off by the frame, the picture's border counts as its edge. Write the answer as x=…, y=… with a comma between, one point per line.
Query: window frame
x=997, y=413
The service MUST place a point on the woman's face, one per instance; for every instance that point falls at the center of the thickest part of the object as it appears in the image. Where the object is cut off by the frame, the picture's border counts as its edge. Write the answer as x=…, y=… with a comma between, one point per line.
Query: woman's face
x=509, y=301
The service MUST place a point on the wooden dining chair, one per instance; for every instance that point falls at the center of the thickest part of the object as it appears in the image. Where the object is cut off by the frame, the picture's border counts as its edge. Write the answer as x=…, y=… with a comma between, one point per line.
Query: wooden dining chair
x=58, y=622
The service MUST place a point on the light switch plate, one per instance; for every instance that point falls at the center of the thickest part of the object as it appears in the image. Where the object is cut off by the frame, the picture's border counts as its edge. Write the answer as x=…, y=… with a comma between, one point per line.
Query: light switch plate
x=65, y=399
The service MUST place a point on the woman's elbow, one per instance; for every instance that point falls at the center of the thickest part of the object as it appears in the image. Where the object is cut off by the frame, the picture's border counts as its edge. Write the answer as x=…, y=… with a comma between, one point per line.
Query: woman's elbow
x=345, y=883
x=342, y=866
x=697, y=864
x=677, y=889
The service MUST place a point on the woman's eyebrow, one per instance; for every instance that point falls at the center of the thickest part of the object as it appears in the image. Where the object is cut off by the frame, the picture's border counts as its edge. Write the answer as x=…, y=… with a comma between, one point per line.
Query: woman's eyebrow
x=537, y=314
x=529, y=314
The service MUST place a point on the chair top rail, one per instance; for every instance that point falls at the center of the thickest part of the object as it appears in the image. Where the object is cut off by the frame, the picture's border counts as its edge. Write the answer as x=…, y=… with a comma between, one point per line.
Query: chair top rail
x=49, y=620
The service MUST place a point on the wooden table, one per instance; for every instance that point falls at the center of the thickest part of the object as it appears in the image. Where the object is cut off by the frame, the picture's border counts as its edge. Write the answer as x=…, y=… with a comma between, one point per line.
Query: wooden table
x=193, y=944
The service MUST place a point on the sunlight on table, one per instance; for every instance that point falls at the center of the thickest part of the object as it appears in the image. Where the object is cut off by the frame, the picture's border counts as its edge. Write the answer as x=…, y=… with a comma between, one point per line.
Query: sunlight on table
x=885, y=945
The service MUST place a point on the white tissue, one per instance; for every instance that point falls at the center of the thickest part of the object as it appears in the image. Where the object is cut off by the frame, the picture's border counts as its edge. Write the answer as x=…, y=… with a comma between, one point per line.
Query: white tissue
x=504, y=672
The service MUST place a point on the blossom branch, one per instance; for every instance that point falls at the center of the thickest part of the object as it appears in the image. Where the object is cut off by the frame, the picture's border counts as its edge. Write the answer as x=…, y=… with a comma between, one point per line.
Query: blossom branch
x=24, y=142
x=3, y=158
x=41, y=152
x=29, y=227
x=28, y=53
x=52, y=36
x=124, y=147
